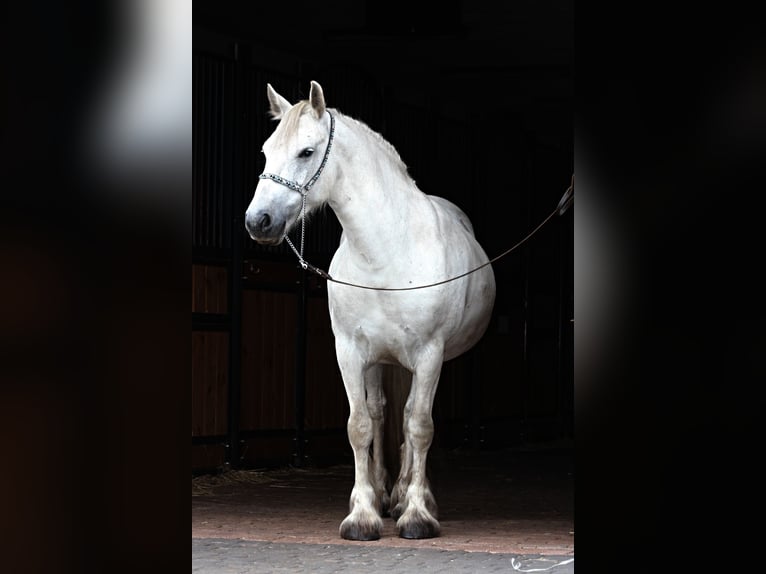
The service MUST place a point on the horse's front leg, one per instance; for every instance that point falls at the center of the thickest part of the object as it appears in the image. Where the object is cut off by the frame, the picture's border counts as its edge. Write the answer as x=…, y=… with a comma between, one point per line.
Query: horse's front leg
x=363, y=521
x=416, y=511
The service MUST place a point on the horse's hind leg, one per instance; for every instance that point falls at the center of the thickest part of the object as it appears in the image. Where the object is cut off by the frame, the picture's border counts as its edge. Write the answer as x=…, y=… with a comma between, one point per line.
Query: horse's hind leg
x=399, y=491
x=417, y=513
x=363, y=521
x=376, y=406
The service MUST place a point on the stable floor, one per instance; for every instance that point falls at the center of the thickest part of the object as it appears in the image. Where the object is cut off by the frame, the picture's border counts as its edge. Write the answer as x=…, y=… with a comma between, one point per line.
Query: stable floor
x=516, y=501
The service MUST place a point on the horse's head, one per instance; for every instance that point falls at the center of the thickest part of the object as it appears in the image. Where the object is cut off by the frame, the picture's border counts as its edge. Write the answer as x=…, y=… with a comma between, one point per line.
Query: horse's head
x=296, y=155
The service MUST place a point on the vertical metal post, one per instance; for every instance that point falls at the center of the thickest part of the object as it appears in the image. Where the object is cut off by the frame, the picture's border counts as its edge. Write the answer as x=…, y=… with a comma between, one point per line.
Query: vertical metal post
x=235, y=341
x=305, y=72
x=525, y=379
x=477, y=429
x=560, y=333
x=300, y=372
x=563, y=364
x=236, y=220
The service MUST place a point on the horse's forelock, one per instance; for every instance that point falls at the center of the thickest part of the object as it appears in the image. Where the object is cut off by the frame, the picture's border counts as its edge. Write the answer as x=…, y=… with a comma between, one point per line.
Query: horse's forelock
x=288, y=126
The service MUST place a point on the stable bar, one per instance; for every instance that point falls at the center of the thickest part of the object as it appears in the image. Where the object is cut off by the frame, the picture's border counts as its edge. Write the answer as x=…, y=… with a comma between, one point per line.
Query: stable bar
x=210, y=322
x=299, y=454
x=211, y=439
x=235, y=178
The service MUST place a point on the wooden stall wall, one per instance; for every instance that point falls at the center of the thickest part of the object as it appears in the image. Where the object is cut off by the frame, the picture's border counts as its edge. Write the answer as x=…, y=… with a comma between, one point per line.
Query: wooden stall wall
x=213, y=296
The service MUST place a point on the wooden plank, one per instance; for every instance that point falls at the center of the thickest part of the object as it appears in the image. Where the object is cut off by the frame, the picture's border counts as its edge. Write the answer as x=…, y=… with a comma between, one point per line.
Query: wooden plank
x=209, y=289
x=268, y=360
x=259, y=273
x=210, y=366
x=326, y=403
x=207, y=456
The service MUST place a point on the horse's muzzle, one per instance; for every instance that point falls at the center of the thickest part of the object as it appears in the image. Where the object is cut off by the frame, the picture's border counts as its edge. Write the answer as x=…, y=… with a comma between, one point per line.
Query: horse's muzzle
x=264, y=228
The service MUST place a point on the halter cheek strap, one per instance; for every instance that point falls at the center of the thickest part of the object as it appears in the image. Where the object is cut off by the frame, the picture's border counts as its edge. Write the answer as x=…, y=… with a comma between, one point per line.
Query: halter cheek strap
x=294, y=185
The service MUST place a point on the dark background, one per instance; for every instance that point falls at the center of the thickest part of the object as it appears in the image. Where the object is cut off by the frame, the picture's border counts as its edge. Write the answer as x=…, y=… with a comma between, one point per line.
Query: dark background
x=670, y=138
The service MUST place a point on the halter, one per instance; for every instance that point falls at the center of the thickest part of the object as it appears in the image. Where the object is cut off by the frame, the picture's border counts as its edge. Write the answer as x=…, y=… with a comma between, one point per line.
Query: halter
x=303, y=190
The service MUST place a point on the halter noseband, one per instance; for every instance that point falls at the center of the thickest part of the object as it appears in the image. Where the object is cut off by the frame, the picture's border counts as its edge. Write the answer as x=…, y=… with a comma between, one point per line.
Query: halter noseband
x=295, y=186
x=303, y=190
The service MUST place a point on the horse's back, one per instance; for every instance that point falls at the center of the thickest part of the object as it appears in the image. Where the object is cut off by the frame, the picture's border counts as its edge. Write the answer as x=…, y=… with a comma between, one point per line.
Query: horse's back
x=452, y=210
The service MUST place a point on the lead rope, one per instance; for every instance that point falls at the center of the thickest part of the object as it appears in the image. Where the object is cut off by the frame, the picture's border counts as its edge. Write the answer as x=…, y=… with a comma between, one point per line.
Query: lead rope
x=564, y=203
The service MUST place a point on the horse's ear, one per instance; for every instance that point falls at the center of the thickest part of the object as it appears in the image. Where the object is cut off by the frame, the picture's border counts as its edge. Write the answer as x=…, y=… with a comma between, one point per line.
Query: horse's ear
x=279, y=105
x=316, y=98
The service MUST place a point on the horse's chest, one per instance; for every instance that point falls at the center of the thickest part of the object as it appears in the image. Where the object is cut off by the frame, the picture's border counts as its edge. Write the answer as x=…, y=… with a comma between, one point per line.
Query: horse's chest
x=379, y=328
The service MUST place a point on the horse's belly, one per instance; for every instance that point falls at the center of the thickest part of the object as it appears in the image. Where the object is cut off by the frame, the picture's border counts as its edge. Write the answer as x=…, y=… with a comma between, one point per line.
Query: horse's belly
x=475, y=315
x=396, y=327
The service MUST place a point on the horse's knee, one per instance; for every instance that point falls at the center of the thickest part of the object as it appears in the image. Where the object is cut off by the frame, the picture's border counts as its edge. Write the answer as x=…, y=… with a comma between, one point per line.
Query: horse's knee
x=359, y=429
x=420, y=430
x=376, y=409
x=378, y=416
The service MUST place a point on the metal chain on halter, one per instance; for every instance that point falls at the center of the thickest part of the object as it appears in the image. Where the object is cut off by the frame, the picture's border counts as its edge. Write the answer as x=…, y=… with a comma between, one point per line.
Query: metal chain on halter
x=301, y=260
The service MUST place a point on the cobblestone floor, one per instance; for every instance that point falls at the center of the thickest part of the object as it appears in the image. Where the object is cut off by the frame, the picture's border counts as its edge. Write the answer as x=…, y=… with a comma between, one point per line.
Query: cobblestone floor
x=222, y=556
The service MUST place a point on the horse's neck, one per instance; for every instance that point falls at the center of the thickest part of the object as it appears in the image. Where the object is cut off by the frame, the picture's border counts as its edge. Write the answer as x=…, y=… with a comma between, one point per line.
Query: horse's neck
x=375, y=200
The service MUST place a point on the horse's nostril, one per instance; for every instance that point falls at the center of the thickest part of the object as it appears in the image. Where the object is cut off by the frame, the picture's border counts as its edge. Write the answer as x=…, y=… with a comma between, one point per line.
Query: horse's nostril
x=264, y=222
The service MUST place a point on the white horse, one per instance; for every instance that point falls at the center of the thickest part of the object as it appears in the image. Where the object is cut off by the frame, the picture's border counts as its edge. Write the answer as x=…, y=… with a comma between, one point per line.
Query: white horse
x=394, y=236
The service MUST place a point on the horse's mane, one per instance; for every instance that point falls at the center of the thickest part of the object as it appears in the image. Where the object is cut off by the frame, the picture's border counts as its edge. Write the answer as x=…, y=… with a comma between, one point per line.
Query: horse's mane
x=289, y=125
x=382, y=142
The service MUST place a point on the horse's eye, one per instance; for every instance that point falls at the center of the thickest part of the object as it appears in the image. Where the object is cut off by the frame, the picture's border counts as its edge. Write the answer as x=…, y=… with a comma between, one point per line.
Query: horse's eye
x=306, y=152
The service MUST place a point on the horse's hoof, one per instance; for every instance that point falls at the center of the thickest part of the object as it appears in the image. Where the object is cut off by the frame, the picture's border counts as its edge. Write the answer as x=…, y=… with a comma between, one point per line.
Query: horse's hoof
x=350, y=530
x=418, y=528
